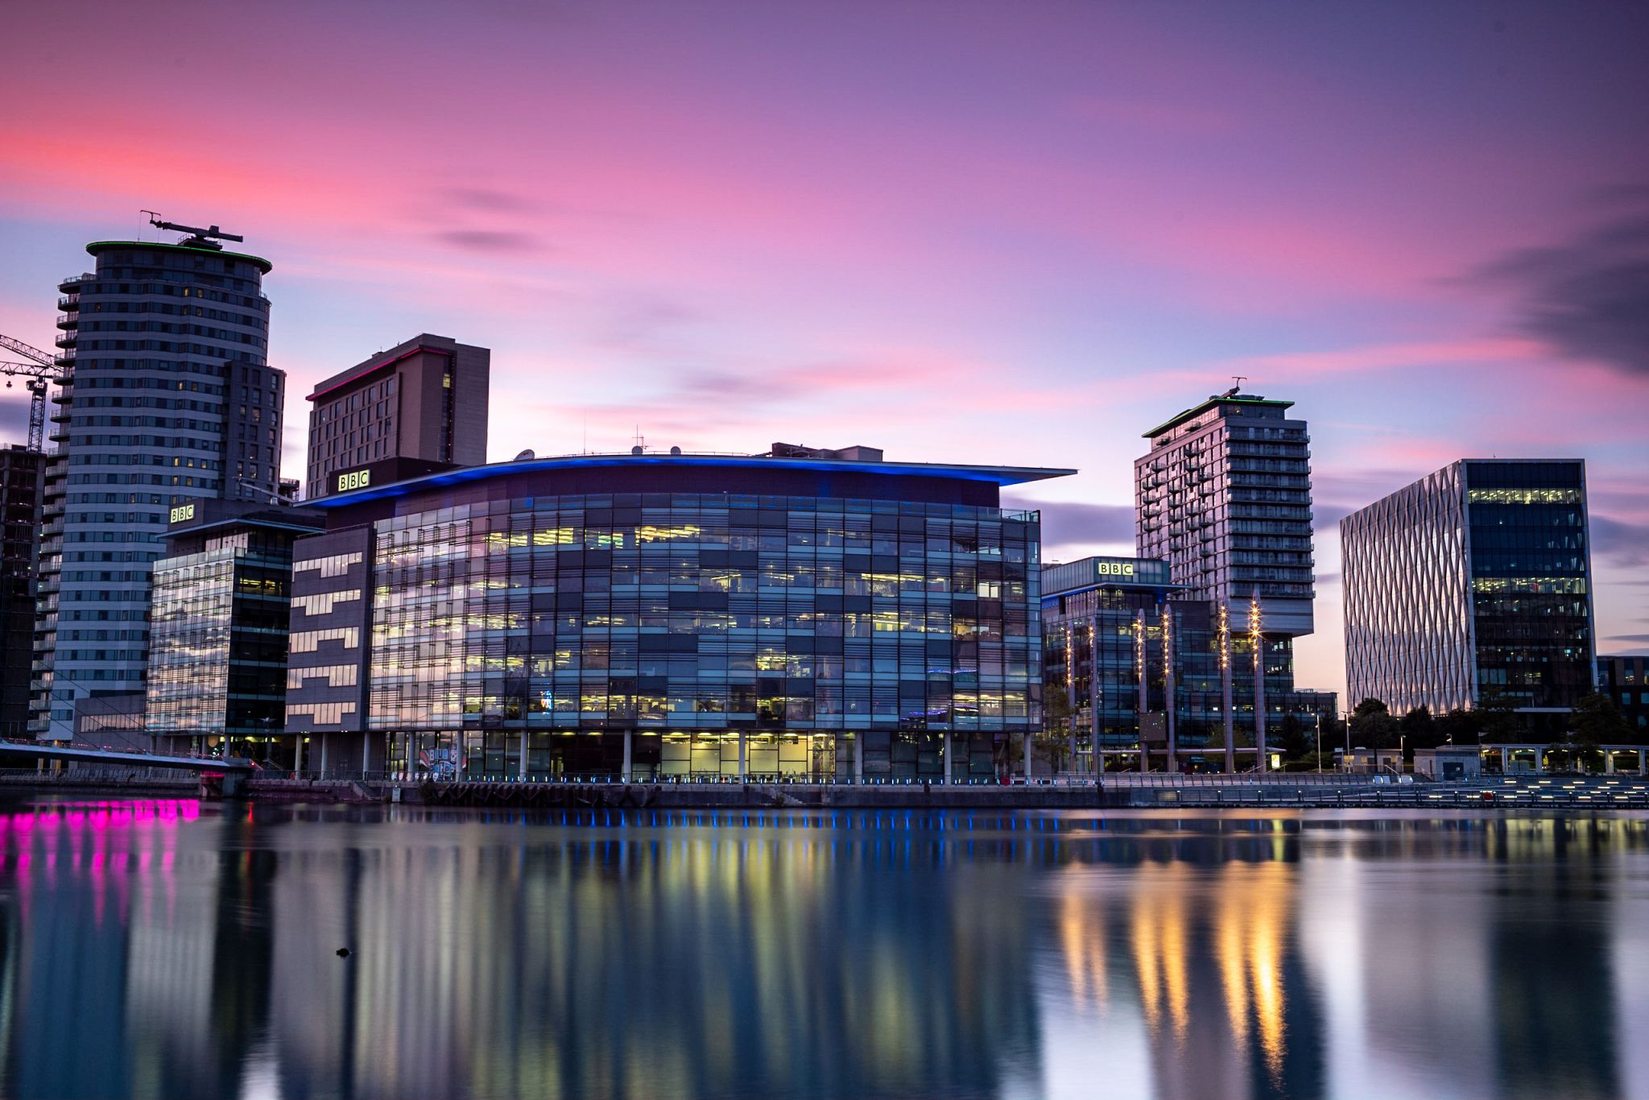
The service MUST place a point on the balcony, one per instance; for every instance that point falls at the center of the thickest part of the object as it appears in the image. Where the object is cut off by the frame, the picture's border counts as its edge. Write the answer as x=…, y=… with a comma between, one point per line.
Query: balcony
x=76, y=280
x=68, y=320
x=66, y=340
x=69, y=302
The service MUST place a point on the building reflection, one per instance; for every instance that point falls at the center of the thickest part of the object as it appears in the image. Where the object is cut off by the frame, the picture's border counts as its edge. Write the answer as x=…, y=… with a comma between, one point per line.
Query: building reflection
x=1512, y=986
x=1205, y=951
x=693, y=961
x=153, y=950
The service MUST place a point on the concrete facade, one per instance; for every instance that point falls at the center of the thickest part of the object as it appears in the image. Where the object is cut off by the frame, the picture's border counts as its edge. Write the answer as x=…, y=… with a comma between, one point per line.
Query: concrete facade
x=425, y=399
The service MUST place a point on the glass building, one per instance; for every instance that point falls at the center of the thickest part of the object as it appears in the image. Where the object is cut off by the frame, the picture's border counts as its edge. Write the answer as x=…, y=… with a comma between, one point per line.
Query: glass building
x=1625, y=679
x=1130, y=662
x=217, y=654
x=1471, y=588
x=802, y=614
x=166, y=401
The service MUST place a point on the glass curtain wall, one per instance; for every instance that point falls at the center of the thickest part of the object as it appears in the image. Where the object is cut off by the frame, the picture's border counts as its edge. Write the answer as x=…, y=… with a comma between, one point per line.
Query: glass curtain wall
x=528, y=636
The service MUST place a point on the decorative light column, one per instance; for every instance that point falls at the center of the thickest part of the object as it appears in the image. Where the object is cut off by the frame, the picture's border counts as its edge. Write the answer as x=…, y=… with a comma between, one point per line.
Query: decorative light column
x=1096, y=694
x=1256, y=638
x=1143, y=704
x=1168, y=684
x=1224, y=639
x=1070, y=691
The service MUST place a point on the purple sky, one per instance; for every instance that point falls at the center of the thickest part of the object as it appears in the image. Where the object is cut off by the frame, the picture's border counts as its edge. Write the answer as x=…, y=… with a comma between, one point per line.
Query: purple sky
x=1007, y=232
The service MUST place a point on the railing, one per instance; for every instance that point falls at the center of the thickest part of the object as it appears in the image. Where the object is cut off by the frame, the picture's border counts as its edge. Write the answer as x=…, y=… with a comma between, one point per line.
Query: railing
x=77, y=773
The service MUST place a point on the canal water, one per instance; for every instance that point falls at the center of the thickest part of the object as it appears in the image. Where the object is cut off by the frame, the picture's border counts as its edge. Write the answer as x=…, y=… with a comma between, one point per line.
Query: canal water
x=167, y=949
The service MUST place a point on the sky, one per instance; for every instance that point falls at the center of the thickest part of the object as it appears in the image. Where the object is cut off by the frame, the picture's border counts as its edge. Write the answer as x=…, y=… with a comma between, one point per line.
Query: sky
x=1020, y=233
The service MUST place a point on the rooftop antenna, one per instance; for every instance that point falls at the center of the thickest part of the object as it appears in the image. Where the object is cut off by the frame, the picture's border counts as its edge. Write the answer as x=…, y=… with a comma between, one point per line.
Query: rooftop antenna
x=1239, y=379
x=198, y=237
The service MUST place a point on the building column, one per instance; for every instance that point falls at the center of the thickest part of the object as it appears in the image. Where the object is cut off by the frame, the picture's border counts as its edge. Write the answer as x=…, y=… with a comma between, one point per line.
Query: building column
x=858, y=756
x=629, y=752
x=366, y=752
x=1026, y=742
x=1642, y=760
x=324, y=740
x=1608, y=761
x=521, y=770
x=297, y=755
x=949, y=743
x=743, y=749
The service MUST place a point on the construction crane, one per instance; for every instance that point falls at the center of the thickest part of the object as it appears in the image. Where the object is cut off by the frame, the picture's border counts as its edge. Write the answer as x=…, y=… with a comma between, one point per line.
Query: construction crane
x=37, y=373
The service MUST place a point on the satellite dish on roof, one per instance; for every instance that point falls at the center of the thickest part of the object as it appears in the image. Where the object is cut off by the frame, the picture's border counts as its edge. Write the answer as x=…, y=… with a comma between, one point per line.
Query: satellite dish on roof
x=525, y=456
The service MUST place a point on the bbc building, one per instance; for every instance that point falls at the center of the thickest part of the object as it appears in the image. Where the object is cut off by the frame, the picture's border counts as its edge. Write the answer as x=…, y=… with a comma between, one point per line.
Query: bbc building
x=799, y=614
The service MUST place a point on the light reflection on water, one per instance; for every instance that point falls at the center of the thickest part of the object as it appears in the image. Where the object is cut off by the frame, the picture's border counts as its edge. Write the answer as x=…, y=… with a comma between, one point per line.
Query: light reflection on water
x=162, y=949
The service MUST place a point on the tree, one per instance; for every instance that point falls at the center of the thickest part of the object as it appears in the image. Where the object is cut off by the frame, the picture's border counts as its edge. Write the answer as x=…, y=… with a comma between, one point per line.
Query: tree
x=1420, y=730
x=1460, y=726
x=1372, y=726
x=1292, y=738
x=1597, y=721
x=1054, y=747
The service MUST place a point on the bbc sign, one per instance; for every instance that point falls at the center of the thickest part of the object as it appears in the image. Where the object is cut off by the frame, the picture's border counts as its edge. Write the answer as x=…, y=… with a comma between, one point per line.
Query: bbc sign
x=354, y=479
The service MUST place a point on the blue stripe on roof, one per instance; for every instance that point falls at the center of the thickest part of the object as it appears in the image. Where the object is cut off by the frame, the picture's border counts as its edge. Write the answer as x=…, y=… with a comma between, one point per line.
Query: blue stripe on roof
x=996, y=475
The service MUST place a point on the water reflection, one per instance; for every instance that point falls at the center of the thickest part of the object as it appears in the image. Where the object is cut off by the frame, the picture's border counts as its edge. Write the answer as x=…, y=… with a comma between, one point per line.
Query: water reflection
x=814, y=954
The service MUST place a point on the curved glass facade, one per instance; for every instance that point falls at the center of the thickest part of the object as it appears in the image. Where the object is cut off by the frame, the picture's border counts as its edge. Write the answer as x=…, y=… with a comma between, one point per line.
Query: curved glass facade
x=702, y=635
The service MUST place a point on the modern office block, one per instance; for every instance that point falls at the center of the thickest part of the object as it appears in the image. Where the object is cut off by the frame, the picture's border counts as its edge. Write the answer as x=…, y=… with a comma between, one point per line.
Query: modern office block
x=1472, y=587
x=424, y=401
x=20, y=474
x=791, y=614
x=218, y=637
x=1132, y=665
x=167, y=402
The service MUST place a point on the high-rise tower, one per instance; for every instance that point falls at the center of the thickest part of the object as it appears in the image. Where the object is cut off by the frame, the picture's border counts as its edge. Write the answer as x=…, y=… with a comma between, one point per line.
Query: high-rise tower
x=1225, y=497
x=167, y=400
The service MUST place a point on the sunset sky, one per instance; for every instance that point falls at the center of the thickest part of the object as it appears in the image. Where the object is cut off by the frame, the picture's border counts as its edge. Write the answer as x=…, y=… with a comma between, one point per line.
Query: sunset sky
x=1009, y=232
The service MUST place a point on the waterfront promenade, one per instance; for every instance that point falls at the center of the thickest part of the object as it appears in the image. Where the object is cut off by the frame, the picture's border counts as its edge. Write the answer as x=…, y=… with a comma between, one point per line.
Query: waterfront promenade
x=1124, y=789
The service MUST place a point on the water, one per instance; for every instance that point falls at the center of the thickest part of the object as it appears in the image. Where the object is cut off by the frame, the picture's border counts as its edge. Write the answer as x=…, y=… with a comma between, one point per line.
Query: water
x=165, y=949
